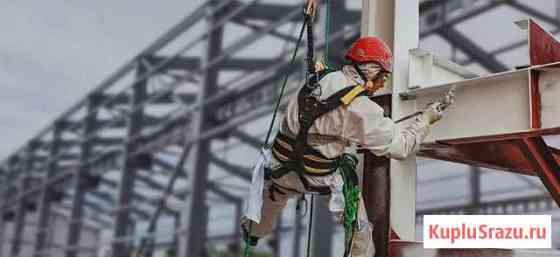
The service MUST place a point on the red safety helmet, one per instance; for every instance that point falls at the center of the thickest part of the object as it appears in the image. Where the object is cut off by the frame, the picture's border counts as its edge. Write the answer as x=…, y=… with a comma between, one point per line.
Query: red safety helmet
x=371, y=49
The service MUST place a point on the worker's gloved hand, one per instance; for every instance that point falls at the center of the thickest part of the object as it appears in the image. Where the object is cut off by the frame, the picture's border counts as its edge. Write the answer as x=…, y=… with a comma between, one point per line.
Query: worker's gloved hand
x=311, y=7
x=433, y=112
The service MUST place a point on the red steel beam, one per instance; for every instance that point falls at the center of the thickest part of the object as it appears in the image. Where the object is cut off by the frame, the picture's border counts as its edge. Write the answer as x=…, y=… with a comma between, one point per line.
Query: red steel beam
x=543, y=47
x=502, y=155
x=544, y=163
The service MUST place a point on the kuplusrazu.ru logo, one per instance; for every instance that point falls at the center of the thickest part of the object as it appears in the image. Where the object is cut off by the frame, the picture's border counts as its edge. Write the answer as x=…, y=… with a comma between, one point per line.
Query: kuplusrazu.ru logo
x=487, y=231
x=484, y=231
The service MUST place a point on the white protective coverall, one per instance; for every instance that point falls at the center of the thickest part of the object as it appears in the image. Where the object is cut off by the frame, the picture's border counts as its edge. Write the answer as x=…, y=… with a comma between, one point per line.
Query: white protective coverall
x=361, y=122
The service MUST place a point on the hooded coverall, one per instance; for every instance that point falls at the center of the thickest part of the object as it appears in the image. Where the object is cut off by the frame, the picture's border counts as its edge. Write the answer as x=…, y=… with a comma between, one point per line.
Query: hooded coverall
x=361, y=122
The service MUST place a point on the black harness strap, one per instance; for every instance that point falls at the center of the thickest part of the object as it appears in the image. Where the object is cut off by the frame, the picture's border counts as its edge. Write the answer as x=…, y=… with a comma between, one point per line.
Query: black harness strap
x=285, y=169
x=297, y=148
x=308, y=160
x=360, y=72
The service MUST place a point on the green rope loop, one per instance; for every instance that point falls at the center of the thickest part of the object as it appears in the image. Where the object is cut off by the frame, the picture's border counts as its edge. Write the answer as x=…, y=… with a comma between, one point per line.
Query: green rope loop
x=250, y=241
x=248, y=250
x=351, y=192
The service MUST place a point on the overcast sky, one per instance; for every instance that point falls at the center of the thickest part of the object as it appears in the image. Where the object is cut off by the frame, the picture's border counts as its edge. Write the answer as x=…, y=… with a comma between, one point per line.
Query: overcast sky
x=53, y=52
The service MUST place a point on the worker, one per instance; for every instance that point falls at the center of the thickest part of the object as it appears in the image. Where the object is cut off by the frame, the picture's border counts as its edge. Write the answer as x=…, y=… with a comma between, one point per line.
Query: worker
x=356, y=120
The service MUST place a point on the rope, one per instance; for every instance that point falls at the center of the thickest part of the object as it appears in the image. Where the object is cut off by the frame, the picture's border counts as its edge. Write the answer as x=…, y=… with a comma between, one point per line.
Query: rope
x=351, y=193
x=148, y=241
x=312, y=83
x=327, y=33
x=248, y=244
x=284, y=83
x=310, y=226
x=311, y=69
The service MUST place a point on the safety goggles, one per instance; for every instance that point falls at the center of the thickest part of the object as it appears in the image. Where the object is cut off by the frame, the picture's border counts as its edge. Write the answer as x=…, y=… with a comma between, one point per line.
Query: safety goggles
x=384, y=76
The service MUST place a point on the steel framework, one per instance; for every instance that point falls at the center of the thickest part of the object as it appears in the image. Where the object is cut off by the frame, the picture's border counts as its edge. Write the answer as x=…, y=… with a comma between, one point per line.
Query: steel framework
x=108, y=157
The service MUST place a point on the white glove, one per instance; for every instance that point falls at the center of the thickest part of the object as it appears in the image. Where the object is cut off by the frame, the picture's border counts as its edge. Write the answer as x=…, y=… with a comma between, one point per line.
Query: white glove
x=433, y=112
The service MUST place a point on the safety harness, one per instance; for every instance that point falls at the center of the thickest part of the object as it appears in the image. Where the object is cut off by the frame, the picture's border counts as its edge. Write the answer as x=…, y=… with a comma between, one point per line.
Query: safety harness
x=294, y=152
x=296, y=155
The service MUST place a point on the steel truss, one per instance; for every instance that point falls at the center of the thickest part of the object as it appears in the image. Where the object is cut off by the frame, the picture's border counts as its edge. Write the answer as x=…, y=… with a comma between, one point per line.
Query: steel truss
x=115, y=130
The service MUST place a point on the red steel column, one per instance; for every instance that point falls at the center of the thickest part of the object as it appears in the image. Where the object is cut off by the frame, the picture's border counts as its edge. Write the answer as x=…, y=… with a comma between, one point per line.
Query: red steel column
x=376, y=190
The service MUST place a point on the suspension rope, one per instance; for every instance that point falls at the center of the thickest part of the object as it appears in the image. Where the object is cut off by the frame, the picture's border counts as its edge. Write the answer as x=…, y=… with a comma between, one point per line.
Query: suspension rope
x=312, y=80
x=149, y=239
x=307, y=23
x=310, y=226
x=285, y=82
x=248, y=247
x=327, y=32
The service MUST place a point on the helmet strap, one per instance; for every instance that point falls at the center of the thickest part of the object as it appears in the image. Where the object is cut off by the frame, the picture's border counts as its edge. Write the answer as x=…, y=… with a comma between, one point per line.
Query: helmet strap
x=360, y=72
x=369, y=83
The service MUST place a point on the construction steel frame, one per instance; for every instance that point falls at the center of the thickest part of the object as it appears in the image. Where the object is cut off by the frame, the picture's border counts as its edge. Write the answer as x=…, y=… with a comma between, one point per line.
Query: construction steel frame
x=114, y=128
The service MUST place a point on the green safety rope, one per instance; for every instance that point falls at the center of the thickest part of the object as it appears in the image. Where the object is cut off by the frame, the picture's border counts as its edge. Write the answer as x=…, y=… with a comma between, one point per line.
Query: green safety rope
x=249, y=240
x=351, y=192
x=285, y=81
x=327, y=33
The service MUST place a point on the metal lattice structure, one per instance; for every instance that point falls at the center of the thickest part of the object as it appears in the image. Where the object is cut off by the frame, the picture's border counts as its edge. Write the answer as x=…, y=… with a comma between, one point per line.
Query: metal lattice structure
x=106, y=160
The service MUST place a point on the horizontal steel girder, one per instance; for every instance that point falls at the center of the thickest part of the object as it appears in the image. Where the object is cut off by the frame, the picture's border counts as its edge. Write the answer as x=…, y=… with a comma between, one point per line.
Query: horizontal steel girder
x=283, y=13
x=236, y=170
x=193, y=63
